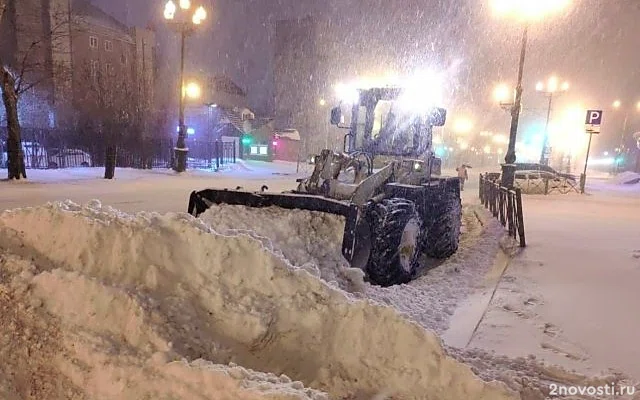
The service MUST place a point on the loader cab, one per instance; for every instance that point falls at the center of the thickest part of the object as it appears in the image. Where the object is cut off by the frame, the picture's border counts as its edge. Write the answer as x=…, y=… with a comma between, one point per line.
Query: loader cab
x=383, y=124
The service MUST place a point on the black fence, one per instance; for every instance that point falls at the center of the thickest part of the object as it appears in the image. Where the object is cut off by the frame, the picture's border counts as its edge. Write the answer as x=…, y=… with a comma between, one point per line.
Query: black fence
x=44, y=149
x=537, y=182
x=505, y=204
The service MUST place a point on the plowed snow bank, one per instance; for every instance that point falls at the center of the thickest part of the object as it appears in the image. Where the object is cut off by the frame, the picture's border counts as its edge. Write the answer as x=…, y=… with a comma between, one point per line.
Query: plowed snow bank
x=142, y=281
x=626, y=178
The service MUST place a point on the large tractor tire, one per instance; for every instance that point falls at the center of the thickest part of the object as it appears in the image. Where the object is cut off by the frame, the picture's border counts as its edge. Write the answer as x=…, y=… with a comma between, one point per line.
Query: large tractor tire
x=396, y=234
x=445, y=218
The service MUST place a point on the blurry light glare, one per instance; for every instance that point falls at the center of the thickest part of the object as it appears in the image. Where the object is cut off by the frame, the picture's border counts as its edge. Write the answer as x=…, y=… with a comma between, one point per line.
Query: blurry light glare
x=201, y=13
x=617, y=104
x=463, y=126
x=169, y=10
x=191, y=131
x=487, y=149
x=501, y=93
x=528, y=9
x=500, y=139
x=185, y=4
x=322, y=102
x=464, y=146
x=552, y=86
x=606, y=153
x=437, y=140
x=601, y=161
x=192, y=90
x=421, y=91
x=347, y=93
x=199, y=16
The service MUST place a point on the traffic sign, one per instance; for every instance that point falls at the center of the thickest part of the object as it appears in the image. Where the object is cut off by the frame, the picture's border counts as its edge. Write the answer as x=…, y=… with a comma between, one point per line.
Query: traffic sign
x=591, y=126
x=594, y=117
x=593, y=121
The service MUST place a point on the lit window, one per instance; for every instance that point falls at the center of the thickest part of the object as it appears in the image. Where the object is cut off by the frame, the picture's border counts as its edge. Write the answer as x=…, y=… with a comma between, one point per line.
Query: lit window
x=93, y=42
x=264, y=150
x=254, y=149
x=108, y=45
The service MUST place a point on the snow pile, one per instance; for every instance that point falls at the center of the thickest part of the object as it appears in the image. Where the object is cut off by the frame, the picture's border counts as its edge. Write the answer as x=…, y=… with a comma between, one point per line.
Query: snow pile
x=105, y=343
x=313, y=241
x=134, y=300
x=626, y=178
x=310, y=240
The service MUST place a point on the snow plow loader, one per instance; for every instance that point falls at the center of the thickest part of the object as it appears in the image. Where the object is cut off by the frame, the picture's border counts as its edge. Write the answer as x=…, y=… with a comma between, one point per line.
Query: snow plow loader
x=393, y=214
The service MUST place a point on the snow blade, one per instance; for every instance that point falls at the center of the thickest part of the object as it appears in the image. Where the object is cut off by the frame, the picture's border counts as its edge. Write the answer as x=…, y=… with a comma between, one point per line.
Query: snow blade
x=352, y=239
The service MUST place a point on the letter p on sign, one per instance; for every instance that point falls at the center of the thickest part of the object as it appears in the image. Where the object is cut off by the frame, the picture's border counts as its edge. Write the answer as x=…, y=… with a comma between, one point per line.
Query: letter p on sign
x=594, y=117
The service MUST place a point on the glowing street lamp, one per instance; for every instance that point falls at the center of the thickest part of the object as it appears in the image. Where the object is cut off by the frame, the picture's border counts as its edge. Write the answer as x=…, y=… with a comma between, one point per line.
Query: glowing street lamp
x=192, y=90
x=550, y=89
x=184, y=21
x=501, y=94
x=526, y=11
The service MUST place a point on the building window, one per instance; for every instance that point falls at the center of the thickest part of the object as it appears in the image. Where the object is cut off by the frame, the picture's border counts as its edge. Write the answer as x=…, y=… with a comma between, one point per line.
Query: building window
x=108, y=45
x=123, y=59
x=108, y=69
x=93, y=42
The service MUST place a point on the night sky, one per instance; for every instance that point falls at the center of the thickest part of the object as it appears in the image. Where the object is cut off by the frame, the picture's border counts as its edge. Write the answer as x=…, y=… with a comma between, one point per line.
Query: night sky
x=593, y=45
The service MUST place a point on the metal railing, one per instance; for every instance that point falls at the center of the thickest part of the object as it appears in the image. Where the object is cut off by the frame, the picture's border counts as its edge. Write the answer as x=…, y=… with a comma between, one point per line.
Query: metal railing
x=43, y=149
x=535, y=184
x=505, y=204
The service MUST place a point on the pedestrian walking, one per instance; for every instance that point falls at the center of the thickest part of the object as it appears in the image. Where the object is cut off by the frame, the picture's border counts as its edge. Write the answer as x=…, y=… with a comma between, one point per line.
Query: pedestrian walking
x=463, y=174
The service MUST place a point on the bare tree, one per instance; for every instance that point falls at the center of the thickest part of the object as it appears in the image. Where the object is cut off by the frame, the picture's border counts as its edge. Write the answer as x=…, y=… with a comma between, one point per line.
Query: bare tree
x=32, y=64
x=112, y=109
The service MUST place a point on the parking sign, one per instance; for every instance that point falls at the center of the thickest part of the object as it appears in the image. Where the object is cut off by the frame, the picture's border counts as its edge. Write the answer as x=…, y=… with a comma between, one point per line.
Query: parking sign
x=593, y=121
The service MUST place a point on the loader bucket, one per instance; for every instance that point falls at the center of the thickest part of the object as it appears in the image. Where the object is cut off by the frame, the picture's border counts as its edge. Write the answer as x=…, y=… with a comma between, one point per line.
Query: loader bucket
x=355, y=238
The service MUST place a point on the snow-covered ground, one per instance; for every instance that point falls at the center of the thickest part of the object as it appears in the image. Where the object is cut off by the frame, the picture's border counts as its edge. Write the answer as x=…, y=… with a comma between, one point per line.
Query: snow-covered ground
x=149, y=263
x=570, y=297
x=133, y=190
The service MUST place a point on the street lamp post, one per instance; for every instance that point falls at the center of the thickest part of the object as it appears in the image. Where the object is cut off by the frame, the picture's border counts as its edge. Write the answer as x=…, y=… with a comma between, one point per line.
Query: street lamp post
x=526, y=10
x=549, y=90
x=185, y=25
x=509, y=168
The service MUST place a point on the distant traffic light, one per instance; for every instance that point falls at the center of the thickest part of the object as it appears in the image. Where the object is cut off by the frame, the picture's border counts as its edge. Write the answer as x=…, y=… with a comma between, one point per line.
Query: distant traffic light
x=246, y=140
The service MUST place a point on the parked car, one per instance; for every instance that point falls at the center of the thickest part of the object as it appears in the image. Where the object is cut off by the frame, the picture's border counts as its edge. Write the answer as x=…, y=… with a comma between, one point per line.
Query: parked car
x=543, y=168
x=537, y=181
x=69, y=158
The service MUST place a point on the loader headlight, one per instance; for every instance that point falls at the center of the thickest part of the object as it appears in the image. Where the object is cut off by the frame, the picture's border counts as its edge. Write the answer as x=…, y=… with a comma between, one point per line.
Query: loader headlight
x=417, y=166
